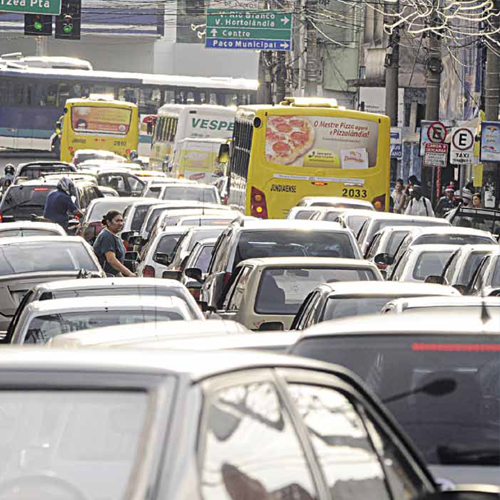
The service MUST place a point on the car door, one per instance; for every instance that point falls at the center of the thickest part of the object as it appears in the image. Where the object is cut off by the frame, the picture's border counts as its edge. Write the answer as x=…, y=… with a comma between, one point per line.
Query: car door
x=248, y=444
x=360, y=451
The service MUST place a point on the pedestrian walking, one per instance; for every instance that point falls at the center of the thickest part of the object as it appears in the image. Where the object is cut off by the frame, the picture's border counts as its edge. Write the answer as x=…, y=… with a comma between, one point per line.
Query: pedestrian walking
x=419, y=204
x=399, y=197
x=446, y=202
x=109, y=247
x=59, y=203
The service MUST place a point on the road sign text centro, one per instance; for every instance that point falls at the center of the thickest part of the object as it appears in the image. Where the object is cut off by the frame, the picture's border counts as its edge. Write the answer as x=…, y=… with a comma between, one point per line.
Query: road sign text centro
x=48, y=7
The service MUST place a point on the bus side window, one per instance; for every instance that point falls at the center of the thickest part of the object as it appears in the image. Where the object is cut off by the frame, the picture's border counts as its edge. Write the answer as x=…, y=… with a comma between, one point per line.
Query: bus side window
x=50, y=95
x=5, y=91
x=19, y=94
x=63, y=94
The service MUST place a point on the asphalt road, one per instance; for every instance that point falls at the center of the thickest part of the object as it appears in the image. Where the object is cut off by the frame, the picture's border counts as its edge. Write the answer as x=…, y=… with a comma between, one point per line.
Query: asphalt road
x=16, y=157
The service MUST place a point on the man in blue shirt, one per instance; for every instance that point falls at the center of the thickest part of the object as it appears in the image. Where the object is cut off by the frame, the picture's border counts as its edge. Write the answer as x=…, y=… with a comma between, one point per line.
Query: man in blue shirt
x=59, y=203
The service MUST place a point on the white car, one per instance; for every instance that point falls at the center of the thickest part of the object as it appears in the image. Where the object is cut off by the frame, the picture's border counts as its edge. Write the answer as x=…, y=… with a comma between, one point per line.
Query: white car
x=28, y=228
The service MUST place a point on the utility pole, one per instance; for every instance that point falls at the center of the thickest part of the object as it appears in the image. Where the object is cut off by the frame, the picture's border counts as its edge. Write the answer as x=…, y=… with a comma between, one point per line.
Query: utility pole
x=264, y=92
x=311, y=88
x=430, y=175
x=280, y=78
x=392, y=83
x=492, y=100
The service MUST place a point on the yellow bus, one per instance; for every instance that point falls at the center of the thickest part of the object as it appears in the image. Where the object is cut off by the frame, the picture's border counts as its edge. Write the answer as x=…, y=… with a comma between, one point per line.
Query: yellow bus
x=307, y=147
x=99, y=123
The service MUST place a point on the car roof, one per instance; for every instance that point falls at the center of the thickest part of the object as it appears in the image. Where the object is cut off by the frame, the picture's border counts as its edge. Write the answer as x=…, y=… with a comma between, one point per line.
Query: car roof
x=196, y=185
x=194, y=365
x=121, y=334
x=26, y=240
x=290, y=225
x=381, y=288
x=172, y=230
x=249, y=340
x=358, y=211
x=457, y=301
x=413, y=323
x=301, y=262
x=107, y=302
x=144, y=201
x=106, y=283
x=418, y=230
x=389, y=215
x=25, y=224
x=124, y=199
x=419, y=249
x=478, y=248
x=335, y=199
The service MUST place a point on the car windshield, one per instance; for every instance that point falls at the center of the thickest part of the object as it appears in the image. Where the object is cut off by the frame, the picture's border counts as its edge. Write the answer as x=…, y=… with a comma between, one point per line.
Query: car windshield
x=344, y=307
x=191, y=193
x=27, y=232
x=25, y=199
x=453, y=239
x=87, y=442
x=43, y=328
x=447, y=431
x=203, y=260
x=99, y=209
x=45, y=256
x=290, y=243
x=430, y=264
x=282, y=290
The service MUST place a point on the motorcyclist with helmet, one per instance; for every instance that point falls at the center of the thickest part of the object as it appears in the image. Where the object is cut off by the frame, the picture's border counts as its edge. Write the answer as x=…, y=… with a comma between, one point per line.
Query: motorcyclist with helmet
x=8, y=178
x=59, y=203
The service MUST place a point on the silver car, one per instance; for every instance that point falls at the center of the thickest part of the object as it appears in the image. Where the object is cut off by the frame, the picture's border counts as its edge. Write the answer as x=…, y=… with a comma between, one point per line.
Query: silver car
x=28, y=228
x=103, y=424
x=40, y=321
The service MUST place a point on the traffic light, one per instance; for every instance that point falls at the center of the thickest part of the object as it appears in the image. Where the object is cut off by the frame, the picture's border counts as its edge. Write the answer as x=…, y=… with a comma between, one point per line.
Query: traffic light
x=37, y=24
x=69, y=22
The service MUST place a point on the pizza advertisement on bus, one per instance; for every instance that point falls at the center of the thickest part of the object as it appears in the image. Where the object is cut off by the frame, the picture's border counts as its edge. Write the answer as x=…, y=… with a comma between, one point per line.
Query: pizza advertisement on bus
x=100, y=120
x=321, y=141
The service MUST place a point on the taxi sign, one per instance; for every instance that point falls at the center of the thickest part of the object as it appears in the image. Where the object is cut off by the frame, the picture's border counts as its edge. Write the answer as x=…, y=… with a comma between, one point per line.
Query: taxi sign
x=462, y=146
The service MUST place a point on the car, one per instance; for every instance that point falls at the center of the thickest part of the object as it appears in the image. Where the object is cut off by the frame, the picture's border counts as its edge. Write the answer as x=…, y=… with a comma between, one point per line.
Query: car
x=26, y=201
x=118, y=335
x=437, y=373
x=334, y=201
x=354, y=219
x=486, y=279
x=302, y=213
x=41, y=320
x=419, y=262
x=463, y=263
x=97, y=164
x=265, y=294
x=223, y=219
x=28, y=228
x=103, y=287
x=332, y=301
x=124, y=182
x=26, y=262
x=200, y=425
x=247, y=239
x=380, y=220
x=36, y=169
x=91, y=224
x=450, y=235
x=83, y=155
x=486, y=219
x=203, y=193
x=187, y=242
x=155, y=257
x=489, y=306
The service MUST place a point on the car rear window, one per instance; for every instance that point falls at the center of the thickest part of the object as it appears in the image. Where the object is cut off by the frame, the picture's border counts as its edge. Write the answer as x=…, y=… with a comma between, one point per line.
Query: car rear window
x=304, y=214
x=344, y=307
x=21, y=199
x=77, y=437
x=290, y=243
x=282, y=290
x=27, y=232
x=452, y=239
x=45, y=256
x=447, y=431
x=43, y=328
x=35, y=172
x=191, y=193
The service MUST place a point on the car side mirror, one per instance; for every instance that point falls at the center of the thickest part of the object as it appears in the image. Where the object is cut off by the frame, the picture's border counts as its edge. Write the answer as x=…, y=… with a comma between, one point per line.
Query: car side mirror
x=383, y=259
x=172, y=275
x=438, y=280
x=463, y=289
x=271, y=326
x=194, y=273
x=161, y=258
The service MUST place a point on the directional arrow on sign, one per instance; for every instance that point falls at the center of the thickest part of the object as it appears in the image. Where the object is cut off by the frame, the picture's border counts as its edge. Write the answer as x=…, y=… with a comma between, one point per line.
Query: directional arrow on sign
x=284, y=45
x=214, y=32
x=285, y=20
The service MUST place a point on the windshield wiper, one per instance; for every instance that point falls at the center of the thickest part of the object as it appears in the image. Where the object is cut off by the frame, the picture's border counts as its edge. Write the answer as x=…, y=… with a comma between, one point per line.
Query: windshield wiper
x=461, y=455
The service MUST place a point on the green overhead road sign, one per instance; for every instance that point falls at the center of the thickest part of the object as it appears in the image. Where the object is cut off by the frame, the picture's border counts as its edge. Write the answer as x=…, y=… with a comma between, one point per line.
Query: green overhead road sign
x=249, y=29
x=47, y=7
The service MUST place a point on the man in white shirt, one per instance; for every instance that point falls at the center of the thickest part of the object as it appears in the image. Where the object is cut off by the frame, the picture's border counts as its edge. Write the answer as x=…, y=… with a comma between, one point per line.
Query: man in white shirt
x=419, y=204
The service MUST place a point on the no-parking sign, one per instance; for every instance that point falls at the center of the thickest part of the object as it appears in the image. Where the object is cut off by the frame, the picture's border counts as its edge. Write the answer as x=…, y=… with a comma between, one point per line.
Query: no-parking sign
x=462, y=146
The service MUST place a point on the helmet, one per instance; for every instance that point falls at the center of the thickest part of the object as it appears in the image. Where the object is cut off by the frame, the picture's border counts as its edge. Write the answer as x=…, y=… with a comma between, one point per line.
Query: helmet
x=10, y=169
x=133, y=155
x=66, y=185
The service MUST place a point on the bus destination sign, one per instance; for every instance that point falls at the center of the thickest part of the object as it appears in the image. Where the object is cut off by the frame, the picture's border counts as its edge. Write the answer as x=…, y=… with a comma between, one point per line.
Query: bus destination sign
x=45, y=7
x=249, y=29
